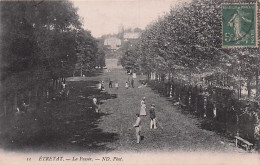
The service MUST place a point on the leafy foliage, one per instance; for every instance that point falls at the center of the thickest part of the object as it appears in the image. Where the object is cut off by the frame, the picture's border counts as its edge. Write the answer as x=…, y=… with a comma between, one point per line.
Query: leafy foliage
x=186, y=42
x=42, y=40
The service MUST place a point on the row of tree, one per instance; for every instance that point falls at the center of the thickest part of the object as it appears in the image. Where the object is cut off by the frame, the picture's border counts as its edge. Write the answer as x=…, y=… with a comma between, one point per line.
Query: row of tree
x=42, y=41
x=185, y=46
x=187, y=43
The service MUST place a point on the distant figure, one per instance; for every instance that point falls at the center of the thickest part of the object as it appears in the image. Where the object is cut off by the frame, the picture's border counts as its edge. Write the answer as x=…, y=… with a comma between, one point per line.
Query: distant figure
x=143, y=109
x=143, y=101
x=64, y=92
x=67, y=91
x=63, y=85
x=18, y=110
x=24, y=107
x=116, y=85
x=102, y=86
x=95, y=105
x=99, y=85
x=152, y=116
x=137, y=126
x=132, y=83
x=110, y=83
x=126, y=85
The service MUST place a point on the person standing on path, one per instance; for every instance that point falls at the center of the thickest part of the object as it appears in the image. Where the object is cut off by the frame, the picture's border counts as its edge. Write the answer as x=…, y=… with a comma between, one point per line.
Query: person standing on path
x=110, y=83
x=99, y=85
x=152, y=116
x=132, y=83
x=102, y=86
x=95, y=105
x=137, y=126
x=116, y=85
x=143, y=107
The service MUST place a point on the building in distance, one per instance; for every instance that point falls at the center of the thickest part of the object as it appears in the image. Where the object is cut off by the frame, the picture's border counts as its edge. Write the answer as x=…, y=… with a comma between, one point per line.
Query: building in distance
x=113, y=43
x=131, y=36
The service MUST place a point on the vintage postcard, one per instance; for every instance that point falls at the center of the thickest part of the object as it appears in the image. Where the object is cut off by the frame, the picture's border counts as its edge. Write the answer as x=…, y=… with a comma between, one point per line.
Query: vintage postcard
x=129, y=82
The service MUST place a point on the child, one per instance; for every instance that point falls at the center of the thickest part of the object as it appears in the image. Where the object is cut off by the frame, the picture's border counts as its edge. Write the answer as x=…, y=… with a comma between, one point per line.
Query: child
x=116, y=85
x=126, y=85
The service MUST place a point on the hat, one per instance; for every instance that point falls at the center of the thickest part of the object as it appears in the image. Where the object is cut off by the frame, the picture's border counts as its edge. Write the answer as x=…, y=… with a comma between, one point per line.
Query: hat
x=152, y=105
x=143, y=98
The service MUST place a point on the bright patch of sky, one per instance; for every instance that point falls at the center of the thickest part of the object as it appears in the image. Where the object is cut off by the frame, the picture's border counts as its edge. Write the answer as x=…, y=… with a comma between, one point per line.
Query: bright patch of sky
x=106, y=16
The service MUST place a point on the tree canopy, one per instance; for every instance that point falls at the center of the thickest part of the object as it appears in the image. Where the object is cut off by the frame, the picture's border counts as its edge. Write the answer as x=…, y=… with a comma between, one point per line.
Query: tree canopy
x=42, y=40
x=186, y=42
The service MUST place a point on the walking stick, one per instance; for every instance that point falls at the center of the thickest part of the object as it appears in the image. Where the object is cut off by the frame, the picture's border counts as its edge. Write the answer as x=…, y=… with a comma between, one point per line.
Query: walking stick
x=159, y=123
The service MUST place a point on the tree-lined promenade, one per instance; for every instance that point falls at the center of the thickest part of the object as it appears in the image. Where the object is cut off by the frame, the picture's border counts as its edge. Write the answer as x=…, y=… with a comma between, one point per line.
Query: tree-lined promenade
x=72, y=125
x=182, y=53
x=51, y=71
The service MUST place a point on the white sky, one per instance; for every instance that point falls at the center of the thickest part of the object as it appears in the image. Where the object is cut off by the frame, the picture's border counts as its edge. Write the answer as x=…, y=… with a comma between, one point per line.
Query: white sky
x=105, y=16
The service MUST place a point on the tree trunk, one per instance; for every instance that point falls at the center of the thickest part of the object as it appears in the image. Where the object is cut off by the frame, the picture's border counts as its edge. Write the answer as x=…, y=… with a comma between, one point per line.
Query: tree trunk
x=29, y=96
x=36, y=96
x=15, y=101
x=5, y=108
x=249, y=87
x=81, y=70
x=256, y=84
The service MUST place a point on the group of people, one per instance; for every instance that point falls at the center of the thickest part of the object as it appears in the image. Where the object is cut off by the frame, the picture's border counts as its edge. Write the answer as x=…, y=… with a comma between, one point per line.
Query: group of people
x=142, y=114
x=110, y=84
x=23, y=108
x=129, y=82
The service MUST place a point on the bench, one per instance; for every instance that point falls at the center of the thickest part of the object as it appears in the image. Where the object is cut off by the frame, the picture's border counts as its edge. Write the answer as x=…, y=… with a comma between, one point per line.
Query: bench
x=245, y=144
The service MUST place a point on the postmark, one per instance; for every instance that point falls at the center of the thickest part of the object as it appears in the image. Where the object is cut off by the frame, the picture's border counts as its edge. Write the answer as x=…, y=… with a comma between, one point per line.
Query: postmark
x=239, y=25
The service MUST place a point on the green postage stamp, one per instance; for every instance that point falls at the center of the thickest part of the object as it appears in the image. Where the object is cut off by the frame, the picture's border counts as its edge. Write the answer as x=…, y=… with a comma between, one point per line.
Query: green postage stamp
x=239, y=25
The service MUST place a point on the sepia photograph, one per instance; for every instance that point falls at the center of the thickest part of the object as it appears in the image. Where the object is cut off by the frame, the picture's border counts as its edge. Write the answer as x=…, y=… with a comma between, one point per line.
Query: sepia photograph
x=129, y=82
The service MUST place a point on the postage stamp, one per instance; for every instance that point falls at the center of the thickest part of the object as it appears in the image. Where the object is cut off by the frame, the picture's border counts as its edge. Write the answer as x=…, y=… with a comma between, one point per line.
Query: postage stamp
x=239, y=25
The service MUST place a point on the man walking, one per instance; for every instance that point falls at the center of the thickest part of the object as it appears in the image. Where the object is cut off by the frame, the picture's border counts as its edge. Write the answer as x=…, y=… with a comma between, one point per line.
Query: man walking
x=137, y=126
x=152, y=116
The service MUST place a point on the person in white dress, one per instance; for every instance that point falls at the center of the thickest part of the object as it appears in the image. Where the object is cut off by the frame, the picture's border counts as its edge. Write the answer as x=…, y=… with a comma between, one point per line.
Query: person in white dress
x=143, y=107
